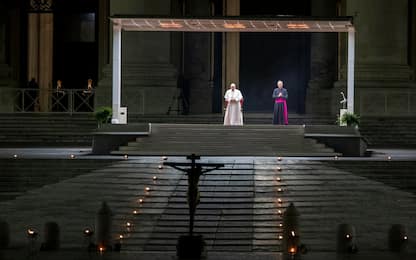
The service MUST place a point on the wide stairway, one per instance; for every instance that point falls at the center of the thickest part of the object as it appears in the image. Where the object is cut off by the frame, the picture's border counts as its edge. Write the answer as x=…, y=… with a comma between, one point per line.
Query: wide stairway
x=240, y=208
x=219, y=140
x=48, y=129
x=390, y=132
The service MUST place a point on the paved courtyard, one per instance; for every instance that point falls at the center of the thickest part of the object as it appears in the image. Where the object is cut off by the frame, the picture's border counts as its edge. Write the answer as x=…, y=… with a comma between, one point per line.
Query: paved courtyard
x=238, y=214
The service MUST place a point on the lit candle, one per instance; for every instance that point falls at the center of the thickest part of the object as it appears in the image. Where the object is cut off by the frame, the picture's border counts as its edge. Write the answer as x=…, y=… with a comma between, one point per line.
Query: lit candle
x=135, y=212
x=128, y=224
x=164, y=158
x=389, y=157
x=160, y=166
x=292, y=250
x=280, y=224
x=336, y=157
x=101, y=248
x=278, y=179
x=347, y=236
x=279, y=158
x=154, y=178
x=279, y=169
x=121, y=237
x=279, y=200
x=293, y=233
x=31, y=232
x=126, y=156
x=280, y=237
x=279, y=189
x=279, y=212
x=405, y=238
x=15, y=156
x=140, y=201
x=147, y=189
x=72, y=156
x=87, y=232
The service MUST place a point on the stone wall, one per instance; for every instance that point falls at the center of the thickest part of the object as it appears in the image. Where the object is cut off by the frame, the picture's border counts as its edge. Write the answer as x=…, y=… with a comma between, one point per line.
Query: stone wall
x=384, y=79
x=148, y=75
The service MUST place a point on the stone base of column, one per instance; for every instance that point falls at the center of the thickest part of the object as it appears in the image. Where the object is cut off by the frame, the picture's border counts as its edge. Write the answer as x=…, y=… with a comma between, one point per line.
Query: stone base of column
x=146, y=88
x=318, y=99
x=380, y=98
x=380, y=72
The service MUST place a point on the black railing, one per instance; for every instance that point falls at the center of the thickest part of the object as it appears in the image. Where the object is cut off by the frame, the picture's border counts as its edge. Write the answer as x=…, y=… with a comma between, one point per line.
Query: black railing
x=39, y=100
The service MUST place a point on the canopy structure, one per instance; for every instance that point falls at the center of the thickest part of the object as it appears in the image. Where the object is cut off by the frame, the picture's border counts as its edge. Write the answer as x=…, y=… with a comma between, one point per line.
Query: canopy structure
x=273, y=24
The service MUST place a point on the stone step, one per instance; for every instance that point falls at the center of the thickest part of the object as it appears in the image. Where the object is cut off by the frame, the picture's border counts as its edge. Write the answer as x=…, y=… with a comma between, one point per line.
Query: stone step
x=210, y=139
x=238, y=209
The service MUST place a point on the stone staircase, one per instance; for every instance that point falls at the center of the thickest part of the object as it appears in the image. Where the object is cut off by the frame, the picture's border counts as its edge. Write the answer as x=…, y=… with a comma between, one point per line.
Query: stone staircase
x=238, y=212
x=39, y=130
x=219, y=140
x=390, y=132
x=395, y=173
x=21, y=175
x=249, y=118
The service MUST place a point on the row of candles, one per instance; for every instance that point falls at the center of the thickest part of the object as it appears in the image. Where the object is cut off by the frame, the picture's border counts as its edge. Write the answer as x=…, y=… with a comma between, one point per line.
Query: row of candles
x=129, y=224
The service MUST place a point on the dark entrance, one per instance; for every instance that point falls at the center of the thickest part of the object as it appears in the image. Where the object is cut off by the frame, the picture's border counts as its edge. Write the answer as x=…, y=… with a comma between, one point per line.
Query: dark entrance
x=268, y=57
x=75, y=42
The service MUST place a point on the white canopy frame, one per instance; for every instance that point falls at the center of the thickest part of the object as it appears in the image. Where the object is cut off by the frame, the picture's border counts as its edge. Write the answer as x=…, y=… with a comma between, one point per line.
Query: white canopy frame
x=228, y=24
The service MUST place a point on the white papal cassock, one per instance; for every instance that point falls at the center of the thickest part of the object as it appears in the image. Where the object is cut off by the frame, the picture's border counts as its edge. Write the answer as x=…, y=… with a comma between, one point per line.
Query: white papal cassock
x=233, y=114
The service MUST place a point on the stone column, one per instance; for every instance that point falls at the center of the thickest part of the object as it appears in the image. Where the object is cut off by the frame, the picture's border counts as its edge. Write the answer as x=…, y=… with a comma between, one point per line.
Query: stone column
x=323, y=62
x=40, y=49
x=383, y=75
x=231, y=52
x=413, y=39
x=197, y=65
x=10, y=54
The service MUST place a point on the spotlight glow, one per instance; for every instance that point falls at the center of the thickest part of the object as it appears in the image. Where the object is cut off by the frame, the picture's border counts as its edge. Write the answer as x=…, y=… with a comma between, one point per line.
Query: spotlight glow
x=31, y=232
x=88, y=232
x=405, y=238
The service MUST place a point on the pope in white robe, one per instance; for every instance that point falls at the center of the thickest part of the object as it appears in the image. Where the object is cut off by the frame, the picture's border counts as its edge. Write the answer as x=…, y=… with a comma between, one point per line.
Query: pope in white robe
x=233, y=101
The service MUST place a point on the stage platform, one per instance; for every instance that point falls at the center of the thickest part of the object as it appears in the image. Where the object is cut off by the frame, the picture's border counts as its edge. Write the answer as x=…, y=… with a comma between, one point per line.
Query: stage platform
x=219, y=140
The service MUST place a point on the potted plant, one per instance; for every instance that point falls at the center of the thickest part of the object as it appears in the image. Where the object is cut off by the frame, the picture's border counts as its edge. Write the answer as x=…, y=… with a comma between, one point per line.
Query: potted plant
x=103, y=115
x=350, y=119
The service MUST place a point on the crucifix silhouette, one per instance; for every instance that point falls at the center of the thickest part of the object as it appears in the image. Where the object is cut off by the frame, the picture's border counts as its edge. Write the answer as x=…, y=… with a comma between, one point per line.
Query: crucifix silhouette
x=194, y=170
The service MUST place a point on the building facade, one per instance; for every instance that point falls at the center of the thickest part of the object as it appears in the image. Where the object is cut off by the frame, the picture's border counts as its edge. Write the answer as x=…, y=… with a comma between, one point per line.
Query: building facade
x=187, y=73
